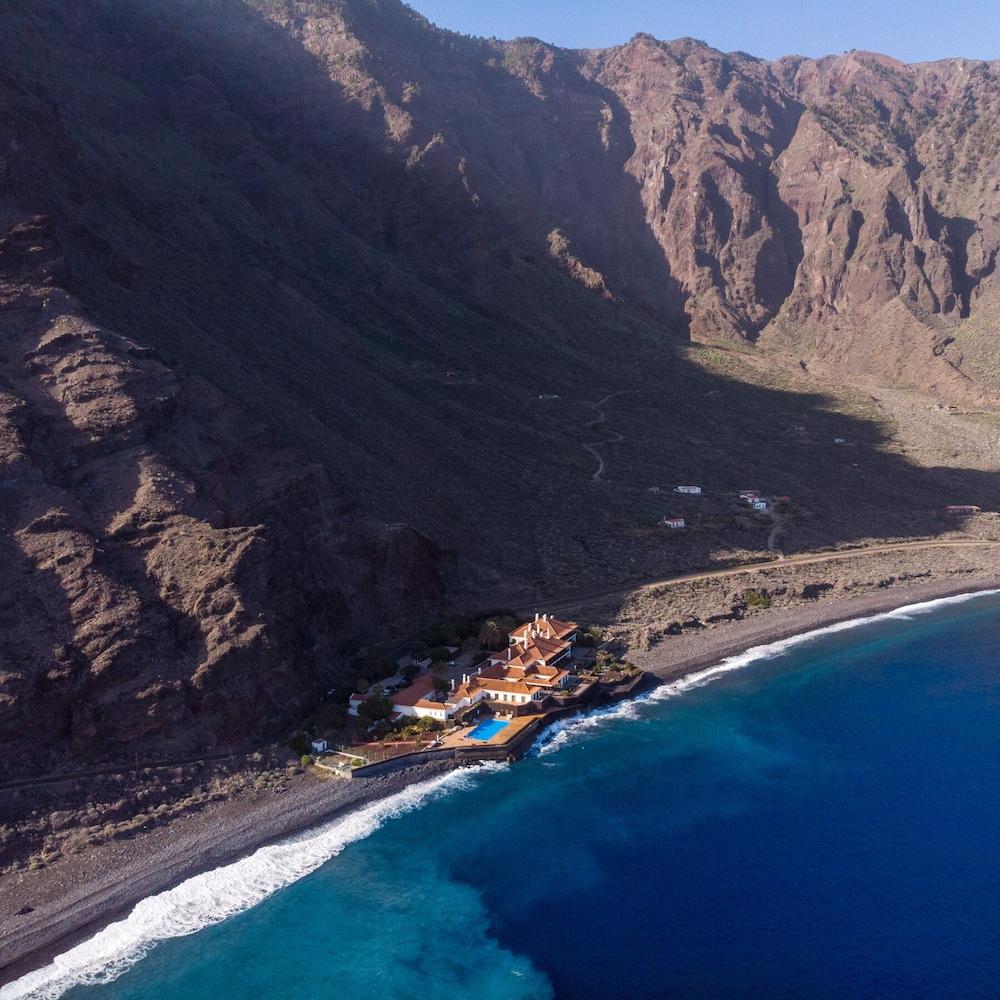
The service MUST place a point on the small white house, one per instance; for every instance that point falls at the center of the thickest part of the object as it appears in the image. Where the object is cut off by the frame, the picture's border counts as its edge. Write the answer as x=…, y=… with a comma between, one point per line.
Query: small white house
x=694, y=490
x=354, y=702
x=674, y=522
x=319, y=746
x=759, y=504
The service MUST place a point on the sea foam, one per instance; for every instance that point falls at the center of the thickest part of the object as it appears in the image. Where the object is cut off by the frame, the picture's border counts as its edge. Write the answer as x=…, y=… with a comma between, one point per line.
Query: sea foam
x=571, y=730
x=216, y=895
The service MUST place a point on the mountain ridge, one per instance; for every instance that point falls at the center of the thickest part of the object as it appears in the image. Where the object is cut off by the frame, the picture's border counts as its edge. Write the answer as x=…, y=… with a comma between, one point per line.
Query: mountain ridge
x=413, y=262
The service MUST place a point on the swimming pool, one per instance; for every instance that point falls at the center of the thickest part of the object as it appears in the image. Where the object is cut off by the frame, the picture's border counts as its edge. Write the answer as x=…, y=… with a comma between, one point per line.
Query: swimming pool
x=486, y=730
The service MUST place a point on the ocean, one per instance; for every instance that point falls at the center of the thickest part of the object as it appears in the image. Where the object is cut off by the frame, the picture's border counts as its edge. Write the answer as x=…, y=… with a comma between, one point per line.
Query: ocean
x=816, y=818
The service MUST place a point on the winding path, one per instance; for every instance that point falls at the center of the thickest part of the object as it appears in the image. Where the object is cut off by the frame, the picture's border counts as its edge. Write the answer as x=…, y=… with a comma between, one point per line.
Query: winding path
x=601, y=418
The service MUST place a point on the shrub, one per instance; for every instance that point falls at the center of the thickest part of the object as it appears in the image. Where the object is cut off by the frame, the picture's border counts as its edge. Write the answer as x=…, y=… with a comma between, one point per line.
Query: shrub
x=329, y=716
x=756, y=599
x=592, y=635
x=299, y=744
x=604, y=661
x=306, y=759
x=375, y=709
x=441, y=635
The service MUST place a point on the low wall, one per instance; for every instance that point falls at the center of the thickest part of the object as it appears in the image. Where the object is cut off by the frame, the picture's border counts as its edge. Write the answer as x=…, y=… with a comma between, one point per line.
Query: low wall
x=459, y=755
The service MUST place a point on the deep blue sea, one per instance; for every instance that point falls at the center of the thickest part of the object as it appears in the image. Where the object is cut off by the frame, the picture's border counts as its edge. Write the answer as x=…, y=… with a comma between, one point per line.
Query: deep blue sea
x=818, y=820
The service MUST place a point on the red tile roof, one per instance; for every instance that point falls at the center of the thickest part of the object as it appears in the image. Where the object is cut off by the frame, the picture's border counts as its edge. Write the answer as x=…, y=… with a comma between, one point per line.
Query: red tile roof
x=551, y=628
x=418, y=690
x=498, y=684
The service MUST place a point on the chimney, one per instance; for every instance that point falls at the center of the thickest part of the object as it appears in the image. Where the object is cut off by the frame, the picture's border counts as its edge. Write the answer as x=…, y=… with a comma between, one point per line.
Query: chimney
x=453, y=684
x=545, y=617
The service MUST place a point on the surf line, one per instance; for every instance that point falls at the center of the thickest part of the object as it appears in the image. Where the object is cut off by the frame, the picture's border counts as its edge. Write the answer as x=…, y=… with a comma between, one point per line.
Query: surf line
x=566, y=731
x=213, y=896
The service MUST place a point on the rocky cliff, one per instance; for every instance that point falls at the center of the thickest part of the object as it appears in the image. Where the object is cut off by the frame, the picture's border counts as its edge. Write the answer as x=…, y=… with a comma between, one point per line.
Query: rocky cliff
x=172, y=579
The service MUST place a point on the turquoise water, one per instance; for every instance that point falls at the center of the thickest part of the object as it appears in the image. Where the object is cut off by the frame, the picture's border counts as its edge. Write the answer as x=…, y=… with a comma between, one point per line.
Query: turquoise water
x=823, y=822
x=487, y=730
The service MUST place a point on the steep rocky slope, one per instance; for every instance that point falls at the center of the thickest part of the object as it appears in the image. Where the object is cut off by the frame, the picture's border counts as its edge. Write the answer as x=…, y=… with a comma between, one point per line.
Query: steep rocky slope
x=348, y=257
x=171, y=578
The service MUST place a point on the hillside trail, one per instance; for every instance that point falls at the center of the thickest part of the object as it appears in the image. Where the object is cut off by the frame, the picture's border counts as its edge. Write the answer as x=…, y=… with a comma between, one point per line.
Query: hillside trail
x=601, y=418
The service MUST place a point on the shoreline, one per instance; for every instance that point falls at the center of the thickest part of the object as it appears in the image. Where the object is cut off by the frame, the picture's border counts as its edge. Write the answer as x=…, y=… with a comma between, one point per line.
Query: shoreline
x=74, y=903
x=778, y=625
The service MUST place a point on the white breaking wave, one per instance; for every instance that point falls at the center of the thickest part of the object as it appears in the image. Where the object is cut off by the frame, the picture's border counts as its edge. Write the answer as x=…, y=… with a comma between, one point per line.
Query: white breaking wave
x=216, y=895
x=569, y=731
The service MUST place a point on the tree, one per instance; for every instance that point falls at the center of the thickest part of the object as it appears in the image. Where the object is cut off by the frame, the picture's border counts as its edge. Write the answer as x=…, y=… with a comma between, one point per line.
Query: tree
x=374, y=709
x=440, y=654
x=361, y=685
x=441, y=684
x=410, y=673
x=494, y=631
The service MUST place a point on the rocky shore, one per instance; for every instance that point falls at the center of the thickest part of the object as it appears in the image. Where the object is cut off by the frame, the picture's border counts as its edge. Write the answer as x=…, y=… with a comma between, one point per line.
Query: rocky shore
x=44, y=912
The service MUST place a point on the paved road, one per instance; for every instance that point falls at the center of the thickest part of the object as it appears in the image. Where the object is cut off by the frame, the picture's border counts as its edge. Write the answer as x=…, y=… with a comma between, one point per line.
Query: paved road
x=569, y=602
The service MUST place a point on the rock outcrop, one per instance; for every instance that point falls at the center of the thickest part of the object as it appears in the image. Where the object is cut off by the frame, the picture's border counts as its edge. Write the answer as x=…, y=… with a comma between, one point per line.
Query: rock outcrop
x=172, y=579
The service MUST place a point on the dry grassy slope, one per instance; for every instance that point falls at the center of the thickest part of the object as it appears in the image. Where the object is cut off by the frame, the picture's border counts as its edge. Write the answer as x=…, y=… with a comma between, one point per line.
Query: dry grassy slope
x=389, y=240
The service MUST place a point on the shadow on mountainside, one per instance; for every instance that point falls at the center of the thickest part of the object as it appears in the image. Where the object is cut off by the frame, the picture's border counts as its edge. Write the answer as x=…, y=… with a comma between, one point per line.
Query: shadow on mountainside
x=363, y=265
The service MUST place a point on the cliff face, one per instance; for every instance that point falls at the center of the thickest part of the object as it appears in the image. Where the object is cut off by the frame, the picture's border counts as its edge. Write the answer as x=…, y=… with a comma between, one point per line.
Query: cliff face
x=348, y=255
x=171, y=578
x=842, y=209
x=845, y=208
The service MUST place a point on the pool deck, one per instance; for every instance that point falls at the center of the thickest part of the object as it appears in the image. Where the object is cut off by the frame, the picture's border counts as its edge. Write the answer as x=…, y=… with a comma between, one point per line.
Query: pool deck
x=508, y=734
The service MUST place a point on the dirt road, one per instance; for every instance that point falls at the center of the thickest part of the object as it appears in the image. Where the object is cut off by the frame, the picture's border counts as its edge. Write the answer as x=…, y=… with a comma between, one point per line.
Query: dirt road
x=570, y=602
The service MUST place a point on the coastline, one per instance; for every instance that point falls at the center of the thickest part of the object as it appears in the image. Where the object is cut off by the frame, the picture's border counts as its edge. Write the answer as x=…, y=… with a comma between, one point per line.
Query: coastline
x=80, y=896
x=681, y=657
